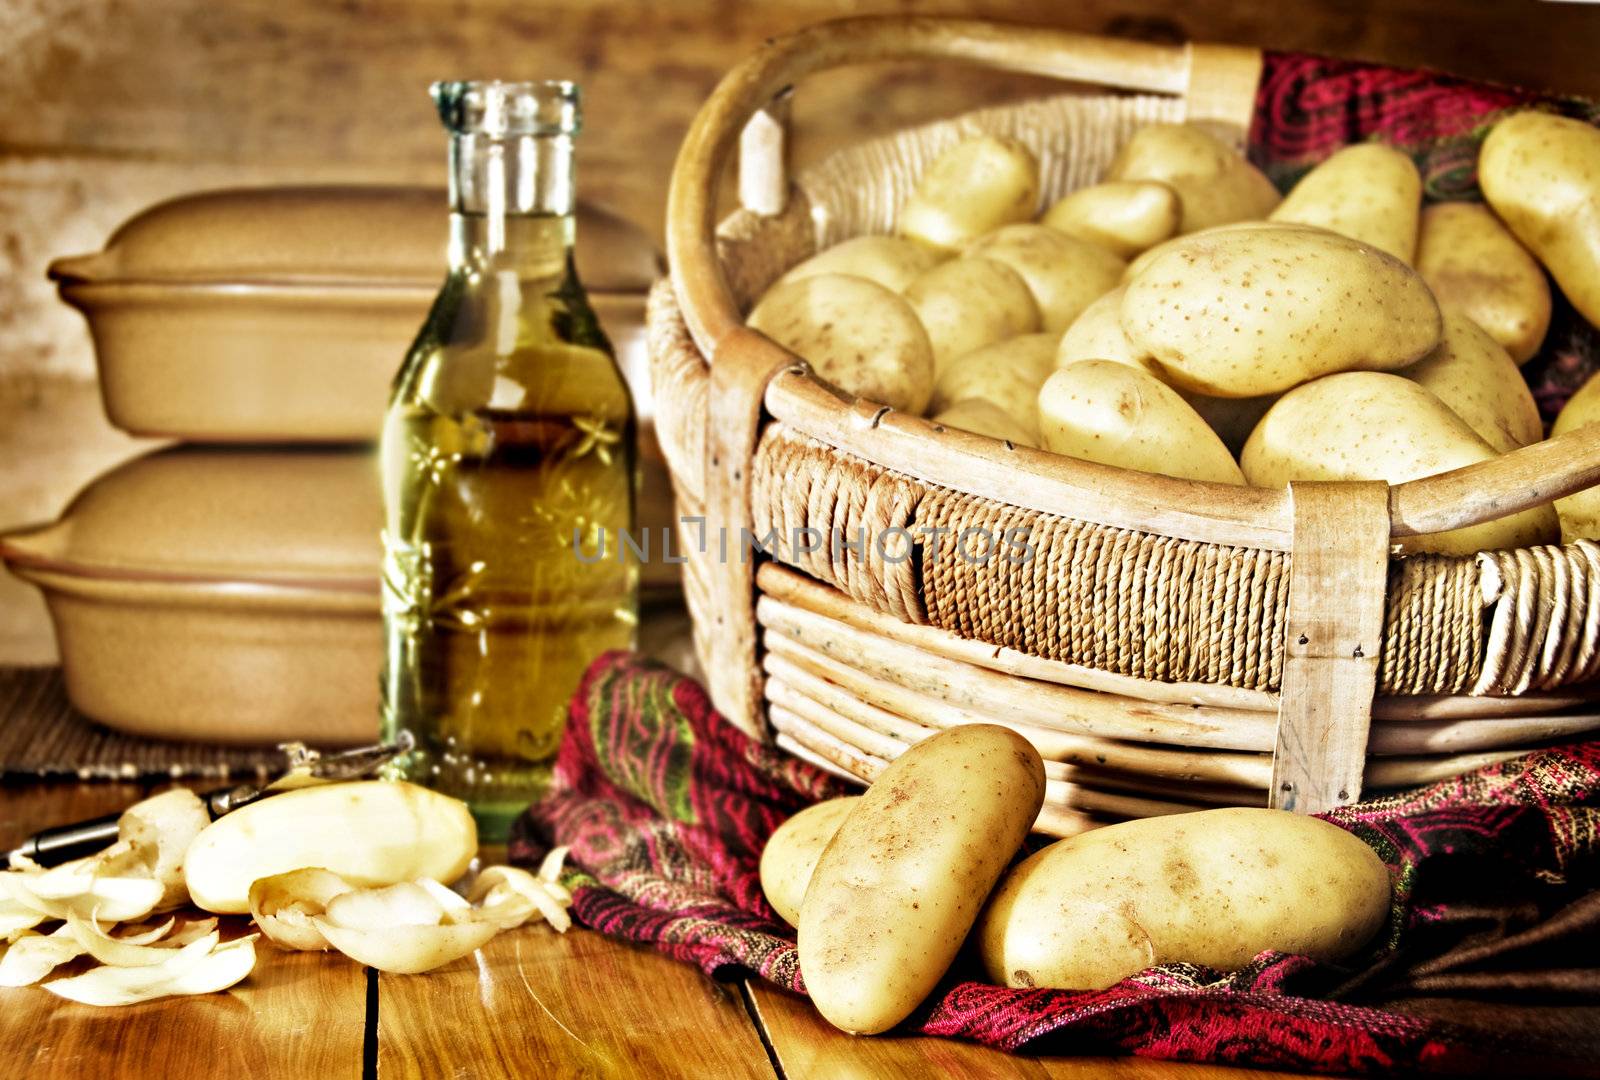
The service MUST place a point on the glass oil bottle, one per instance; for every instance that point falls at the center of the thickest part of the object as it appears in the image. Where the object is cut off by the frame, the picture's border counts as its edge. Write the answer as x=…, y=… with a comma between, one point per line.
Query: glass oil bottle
x=508, y=459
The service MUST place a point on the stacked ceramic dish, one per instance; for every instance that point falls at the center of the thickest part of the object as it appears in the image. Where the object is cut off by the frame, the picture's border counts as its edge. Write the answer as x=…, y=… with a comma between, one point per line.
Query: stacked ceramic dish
x=226, y=588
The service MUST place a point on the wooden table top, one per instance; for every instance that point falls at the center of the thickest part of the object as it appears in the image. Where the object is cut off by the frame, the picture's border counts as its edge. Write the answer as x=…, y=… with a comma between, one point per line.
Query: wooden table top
x=532, y=1003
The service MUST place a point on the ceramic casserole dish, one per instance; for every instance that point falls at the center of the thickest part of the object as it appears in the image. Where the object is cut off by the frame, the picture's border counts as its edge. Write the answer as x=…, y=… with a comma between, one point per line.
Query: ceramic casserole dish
x=219, y=594
x=281, y=314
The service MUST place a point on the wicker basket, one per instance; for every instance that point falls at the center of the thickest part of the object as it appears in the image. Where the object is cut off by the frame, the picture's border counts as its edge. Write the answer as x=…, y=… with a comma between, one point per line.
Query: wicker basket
x=1173, y=644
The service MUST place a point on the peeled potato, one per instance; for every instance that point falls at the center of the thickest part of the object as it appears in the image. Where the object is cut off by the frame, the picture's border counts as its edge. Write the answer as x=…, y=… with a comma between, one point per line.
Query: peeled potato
x=1541, y=173
x=1007, y=374
x=1479, y=381
x=1580, y=513
x=1100, y=410
x=968, y=303
x=1215, y=184
x=1472, y=262
x=972, y=188
x=792, y=851
x=371, y=833
x=1370, y=193
x=857, y=334
x=1368, y=425
x=986, y=418
x=1122, y=216
x=1253, y=311
x=892, y=261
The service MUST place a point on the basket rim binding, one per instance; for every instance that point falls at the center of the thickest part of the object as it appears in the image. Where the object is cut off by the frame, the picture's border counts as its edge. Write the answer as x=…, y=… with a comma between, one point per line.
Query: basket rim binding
x=749, y=372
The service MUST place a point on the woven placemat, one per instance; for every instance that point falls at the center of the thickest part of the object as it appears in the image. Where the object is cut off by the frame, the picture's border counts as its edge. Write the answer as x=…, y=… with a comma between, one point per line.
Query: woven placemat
x=42, y=737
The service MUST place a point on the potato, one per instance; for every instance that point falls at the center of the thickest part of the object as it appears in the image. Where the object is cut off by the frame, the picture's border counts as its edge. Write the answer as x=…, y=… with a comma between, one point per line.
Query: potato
x=1097, y=335
x=1580, y=513
x=1479, y=381
x=1541, y=174
x=1370, y=193
x=972, y=188
x=1256, y=311
x=857, y=334
x=1122, y=216
x=899, y=886
x=1213, y=887
x=1367, y=425
x=792, y=852
x=1145, y=258
x=1215, y=184
x=1007, y=374
x=1100, y=410
x=891, y=261
x=968, y=303
x=986, y=418
x=1470, y=261
x=1064, y=274
x=370, y=832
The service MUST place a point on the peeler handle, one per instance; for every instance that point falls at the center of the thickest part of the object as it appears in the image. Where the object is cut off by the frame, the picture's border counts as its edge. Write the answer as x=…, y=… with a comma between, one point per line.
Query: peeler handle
x=63, y=843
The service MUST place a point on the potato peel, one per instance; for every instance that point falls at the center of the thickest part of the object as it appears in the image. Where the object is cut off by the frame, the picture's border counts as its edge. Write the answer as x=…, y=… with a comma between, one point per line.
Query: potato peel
x=283, y=905
x=405, y=904
x=120, y=952
x=511, y=895
x=31, y=958
x=201, y=967
x=159, y=830
x=408, y=950
x=82, y=892
x=406, y=928
x=156, y=933
x=16, y=919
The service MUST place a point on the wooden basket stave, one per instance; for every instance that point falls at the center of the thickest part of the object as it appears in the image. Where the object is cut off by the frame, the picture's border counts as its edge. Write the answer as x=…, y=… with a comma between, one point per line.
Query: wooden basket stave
x=754, y=442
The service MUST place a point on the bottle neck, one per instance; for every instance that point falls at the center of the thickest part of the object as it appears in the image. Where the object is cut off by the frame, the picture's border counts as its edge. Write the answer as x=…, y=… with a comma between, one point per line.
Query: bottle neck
x=511, y=202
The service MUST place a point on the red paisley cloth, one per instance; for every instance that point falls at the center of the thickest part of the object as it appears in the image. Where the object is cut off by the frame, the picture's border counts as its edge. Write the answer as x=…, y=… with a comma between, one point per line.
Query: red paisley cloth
x=666, y=807
x=1309, y=106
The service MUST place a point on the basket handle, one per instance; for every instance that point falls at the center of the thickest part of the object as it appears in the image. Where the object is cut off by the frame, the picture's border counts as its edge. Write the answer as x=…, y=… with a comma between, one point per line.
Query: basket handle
x=1509, y=484
x=1218, y=80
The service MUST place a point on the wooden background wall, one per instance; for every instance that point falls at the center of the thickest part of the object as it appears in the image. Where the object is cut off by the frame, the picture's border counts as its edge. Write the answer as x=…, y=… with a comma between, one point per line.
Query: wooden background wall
x=109, y=105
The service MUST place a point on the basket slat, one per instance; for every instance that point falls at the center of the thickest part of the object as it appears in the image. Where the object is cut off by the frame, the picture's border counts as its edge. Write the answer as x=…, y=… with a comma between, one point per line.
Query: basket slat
x=1330, y=668
x=909, y=682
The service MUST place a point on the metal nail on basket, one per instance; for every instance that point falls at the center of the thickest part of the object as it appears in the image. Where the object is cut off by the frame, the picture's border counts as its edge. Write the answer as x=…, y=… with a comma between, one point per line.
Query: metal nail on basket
x=1174, y=644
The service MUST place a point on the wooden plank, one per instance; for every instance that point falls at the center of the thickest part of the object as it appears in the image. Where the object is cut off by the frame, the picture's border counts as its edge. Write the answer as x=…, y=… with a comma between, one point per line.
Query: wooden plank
x=805, y=1046
x=297, y=1015
x=536, y=1003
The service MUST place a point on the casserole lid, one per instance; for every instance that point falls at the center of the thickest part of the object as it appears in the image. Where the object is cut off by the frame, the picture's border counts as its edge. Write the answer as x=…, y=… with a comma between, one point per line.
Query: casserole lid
x=214, y=513
x=352, y=234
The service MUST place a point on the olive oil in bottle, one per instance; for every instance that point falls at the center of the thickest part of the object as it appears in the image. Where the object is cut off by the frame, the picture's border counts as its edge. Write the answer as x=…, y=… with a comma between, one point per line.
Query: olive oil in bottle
x=508, y=470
